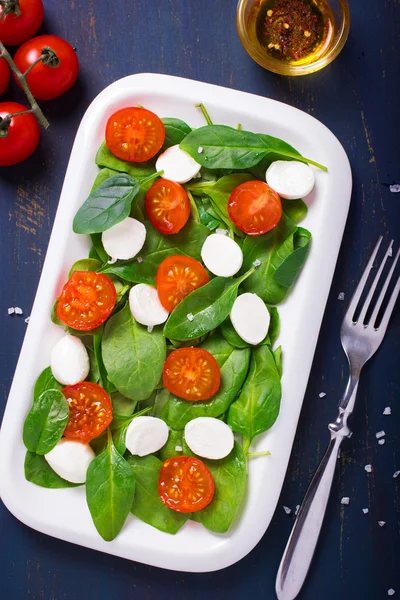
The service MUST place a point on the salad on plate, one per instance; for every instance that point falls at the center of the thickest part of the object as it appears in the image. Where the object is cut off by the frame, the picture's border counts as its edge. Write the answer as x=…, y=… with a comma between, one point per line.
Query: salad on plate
x=168, y=367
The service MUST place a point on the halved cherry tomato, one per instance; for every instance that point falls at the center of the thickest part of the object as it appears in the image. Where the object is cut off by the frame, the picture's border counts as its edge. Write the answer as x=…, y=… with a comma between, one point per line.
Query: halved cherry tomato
x=167, y=206
x=23, y=134
x=86, y=300
x=255, y=207
x=134, y=134
x=177, y=276
x=192, y=374
x=90, y=411
x=185, y=484
x=15, y=29
x=4, y=75
x=55, y=74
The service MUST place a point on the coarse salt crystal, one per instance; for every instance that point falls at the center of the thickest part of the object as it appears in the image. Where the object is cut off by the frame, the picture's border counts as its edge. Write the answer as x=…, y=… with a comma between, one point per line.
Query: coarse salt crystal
x=381, y=523
x=391, y=592
x=150, y=328
x=345, y=500
x=11, y=310
x=341, y=296
x=387, y=411
x=27, y=319
x=139, y=259
x=365, y=511
x=200, y=149
x=112, y=261
x=18, y=310
x=381, y=442
x=287, y=510
x=350, y=435
x=368, y=468
x=189, y=317
x=178, y=448
x=380, y=434
x=256, y=263
x=297, y=509
x=322, y=394
x=395, y=188
x=396, y=474
x=221, y=231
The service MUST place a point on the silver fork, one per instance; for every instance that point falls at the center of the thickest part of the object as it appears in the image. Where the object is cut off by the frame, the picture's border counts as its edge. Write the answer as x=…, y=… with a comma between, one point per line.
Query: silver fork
x=360, y=341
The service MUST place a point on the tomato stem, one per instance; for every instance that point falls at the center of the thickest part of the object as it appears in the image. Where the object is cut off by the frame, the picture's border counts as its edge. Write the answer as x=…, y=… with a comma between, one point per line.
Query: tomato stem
x=255, y=454
x=10, y=7
x=205, y=113
x=22, y=80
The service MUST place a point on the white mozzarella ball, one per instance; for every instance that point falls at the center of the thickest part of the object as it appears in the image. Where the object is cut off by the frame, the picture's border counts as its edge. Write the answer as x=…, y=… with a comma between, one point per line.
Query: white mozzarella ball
x=146, y=435
x=250, y=318
x=69, y=360
x=291, y=179
x=209, y=437
x=70, y=459
x=222, y=255
x=177, y=165
x=124, y=240
x=145, y=305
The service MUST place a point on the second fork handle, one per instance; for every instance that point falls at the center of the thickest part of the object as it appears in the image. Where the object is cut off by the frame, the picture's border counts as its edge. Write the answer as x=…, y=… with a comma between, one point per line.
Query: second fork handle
x=300, y=548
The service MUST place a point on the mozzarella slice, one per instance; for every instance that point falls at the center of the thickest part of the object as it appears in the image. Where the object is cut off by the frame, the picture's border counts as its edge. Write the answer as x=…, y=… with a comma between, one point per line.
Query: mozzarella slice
x=146, y=435
x=291, y=179
x=70, y=460
x=222, y=255
x=145, y=305
x=124, y=240
x=177, y=165
x=250, y=318
x=209, y=437
x=69, y=360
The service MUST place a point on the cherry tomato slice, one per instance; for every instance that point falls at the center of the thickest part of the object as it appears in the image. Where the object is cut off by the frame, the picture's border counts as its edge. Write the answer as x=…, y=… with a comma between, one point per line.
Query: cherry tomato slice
x=17, y=29
x=185, y=484
x=167, y=206
x=255, y=207
x=48, y=81
x=192, y=374
x=134, y=134
x=177, y=276
x=86, y=300
x=90, y=411
x=23, y=134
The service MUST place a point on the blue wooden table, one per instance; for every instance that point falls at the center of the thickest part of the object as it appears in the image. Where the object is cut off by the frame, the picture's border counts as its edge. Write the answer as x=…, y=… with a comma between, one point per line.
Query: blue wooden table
x=357, y=97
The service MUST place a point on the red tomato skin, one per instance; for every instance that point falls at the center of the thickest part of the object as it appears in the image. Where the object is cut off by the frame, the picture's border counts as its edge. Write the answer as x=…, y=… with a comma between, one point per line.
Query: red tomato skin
x=165, y=289
x=4, y=75
x=240, y=206
x=23, y=135
x=175, y=222
x=87, y=422
x=192, y=356
x=45, y=82
x=181, y=505
x=17, y=30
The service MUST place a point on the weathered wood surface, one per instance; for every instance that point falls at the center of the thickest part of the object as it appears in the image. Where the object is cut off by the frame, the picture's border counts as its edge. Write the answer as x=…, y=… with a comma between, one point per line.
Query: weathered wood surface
x=357, y=97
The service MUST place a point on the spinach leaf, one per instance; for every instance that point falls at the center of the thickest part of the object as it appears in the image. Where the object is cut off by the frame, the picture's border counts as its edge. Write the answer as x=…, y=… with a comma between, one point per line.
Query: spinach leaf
x=45, y=422
x=97, y=339
x=45, y=382
x=208, y=216
x=219, y=193
x=108, y=205
x=97, y=250
x=271, y=249
x=194, y=211
x=38, y=471
x=105, y=158
x=209, y=305
x=257, y=407
x=122, y=404
x=85, y=264
x=175, y=439
x=133, y=357
x=119, y=426
x=278, y=359
x=294, y=209
x=288, y=271
x=94, y=373
x=234, y=364
x=274, y=325
x=147, y=505
x=110, y=488
x=230, y=477
x=160, y=403
x=175, y=131
x=102, y=176
x=157, y=247
x=228, y=148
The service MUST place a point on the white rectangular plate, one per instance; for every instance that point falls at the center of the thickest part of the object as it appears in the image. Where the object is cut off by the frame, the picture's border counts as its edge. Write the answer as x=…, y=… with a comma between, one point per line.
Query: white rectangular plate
x=63, y=513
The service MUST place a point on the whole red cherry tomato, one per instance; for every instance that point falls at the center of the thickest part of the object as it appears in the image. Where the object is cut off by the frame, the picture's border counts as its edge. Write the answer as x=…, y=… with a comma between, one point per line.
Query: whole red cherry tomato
x=55, y=73
x=22, y=137
x=20, y=20
x=4, y=75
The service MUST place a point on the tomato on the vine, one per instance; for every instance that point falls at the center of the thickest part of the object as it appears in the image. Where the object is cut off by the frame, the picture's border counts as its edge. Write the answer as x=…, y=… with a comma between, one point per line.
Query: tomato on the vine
x=4, y=75
x=22, y=137
x=185, y=484
x=134, y=134
x=20, y=20
x=55, y=73
x=167, y=206
x=90, y=411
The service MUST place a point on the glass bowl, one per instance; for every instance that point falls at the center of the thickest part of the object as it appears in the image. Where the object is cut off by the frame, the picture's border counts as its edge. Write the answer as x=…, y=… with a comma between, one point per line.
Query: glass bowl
x=246, y=19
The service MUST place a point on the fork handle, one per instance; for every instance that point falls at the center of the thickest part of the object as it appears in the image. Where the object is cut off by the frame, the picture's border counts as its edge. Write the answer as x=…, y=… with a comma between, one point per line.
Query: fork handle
x=303, y=539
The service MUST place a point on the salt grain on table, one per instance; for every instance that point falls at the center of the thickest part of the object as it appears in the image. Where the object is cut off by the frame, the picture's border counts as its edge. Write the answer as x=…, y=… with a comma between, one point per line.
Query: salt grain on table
x=391, y=592
x=380, y=434
x=322, y=394
x=365, y=511
x=341, y=296
x=11, y=310
x=368, y=468
x=387, y=411
x=297, y=509
x=396, y=474
x=18, y=310
x=381, y=523
x=395, y=188
x=287, y=510
x=381, y=442
x=345, y=500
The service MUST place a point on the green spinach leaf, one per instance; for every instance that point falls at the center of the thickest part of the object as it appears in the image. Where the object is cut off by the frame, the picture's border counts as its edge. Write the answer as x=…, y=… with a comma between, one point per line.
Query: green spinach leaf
x=175, y=131
x=122, y=404
x=102, y=176
x=147, y=505
x=274, y=325
x=278, y=359
x=175, y=439
x=105, y=158
x=234, y=364
x=45, y=422
x=94, y=373
x=85, y=264
x=97, y=250
x=157, y=247
x=209, y=306
x=45, y=382
x=294, y=209
x=133, y=357
x=288, y=271
x=257, y=407
x=38, y=471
